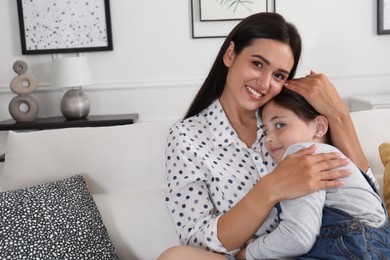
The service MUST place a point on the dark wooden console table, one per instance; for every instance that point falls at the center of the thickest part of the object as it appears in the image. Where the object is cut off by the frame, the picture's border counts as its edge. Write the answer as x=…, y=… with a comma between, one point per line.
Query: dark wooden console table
x=46, y=123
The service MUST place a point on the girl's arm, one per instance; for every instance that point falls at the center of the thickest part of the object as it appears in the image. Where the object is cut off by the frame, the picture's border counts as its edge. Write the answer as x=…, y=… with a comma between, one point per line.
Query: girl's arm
x=323, y=96
x=300, y=221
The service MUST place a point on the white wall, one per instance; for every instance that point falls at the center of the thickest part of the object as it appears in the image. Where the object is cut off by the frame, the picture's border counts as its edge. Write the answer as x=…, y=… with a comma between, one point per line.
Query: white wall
x=340, y=39
x=156, y=67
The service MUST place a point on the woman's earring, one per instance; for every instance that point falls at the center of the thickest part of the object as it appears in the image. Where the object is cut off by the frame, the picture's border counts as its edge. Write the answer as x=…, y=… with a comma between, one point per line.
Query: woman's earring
x=318, y=136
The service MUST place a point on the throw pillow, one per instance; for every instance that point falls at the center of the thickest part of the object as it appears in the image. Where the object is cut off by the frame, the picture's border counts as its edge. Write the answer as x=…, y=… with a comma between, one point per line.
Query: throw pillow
x=55, y=220
x=384, y=151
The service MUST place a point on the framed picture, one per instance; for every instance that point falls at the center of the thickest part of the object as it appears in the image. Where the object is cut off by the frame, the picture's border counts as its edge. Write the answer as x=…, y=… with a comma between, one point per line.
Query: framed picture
x=383, y=16
x=225, y=10
x=215, y=19
x=57, y=26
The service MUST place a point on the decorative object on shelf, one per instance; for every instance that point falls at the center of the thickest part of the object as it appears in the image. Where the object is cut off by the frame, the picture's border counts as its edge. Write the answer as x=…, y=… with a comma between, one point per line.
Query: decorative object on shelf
x=73, y=72
x=366, y=102
x=215, y=19
x=23, y=107
x=57, y=26
x=383, y=16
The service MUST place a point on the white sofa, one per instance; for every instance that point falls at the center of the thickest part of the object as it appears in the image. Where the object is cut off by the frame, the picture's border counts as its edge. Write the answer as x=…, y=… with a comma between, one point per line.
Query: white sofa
x=124, y=168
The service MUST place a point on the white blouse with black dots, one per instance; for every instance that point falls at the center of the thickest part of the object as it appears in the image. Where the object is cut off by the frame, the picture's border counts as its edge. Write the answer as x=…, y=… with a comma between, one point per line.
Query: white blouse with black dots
x=209, y=169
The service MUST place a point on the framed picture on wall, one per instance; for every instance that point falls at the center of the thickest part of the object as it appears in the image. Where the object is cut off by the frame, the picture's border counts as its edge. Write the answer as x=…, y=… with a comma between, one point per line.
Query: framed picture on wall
x=57, y=26
x=383, y=16
x=215, y=19
x=225, y=10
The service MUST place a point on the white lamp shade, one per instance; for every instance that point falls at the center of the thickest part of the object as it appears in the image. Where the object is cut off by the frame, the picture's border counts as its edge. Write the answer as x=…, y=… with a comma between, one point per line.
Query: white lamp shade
x=71, y=72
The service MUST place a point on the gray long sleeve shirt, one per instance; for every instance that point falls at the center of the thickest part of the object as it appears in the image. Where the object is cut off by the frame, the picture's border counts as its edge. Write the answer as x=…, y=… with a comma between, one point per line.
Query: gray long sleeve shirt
x=300, y=220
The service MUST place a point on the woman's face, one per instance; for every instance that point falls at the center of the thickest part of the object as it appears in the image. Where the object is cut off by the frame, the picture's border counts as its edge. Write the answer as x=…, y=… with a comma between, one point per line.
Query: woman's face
x=282, y=128
x=257, y=74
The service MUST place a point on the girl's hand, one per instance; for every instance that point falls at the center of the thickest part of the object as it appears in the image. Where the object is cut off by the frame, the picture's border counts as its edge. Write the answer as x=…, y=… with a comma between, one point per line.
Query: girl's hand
x=302, y=173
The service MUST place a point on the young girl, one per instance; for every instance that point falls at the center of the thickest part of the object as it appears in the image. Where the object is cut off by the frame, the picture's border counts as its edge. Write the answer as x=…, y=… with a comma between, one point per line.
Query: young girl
x=342, y=223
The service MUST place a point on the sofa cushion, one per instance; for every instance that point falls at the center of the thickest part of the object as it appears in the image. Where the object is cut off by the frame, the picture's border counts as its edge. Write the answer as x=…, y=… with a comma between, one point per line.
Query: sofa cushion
x=124, y=167
x=55, y=220
x=112, y=159
x=138, y=223
x=384, y=150
x=372, y=127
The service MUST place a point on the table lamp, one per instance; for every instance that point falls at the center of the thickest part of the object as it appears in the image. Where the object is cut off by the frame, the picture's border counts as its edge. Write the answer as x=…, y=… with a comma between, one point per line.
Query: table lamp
x=72, y=72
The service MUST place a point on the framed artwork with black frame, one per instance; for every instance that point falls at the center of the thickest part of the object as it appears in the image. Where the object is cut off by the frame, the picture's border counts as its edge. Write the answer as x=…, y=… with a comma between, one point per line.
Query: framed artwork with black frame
x=215, y=19
x=383, y=16
x=58, y=26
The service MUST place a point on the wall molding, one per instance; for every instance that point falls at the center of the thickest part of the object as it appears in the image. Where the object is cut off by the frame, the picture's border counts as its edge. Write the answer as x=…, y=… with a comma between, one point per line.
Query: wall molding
x=141, y=85
x=353, y=74
x=190, y=83
x=124, y=85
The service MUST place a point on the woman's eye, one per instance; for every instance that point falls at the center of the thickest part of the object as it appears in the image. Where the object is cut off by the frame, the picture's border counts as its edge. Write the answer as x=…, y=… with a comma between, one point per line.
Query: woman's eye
x=279, y=125
x=280, y=76
x=258, y=64
x=265, y=132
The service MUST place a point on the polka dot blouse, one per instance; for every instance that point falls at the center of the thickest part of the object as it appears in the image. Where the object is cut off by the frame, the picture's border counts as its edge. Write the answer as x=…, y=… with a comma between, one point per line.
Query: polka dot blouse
x=209, y=169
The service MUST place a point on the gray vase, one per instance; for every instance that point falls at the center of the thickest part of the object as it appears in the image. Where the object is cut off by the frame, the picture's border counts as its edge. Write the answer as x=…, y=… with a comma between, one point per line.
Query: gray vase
x=75, y=104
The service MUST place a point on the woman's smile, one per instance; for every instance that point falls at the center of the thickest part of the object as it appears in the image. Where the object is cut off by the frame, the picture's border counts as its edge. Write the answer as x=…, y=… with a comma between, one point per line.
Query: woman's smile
x=253, y=93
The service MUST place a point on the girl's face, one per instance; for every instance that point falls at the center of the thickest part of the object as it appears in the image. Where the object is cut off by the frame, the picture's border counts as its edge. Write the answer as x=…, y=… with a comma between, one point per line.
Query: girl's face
x=282, y=128
x=257, y=74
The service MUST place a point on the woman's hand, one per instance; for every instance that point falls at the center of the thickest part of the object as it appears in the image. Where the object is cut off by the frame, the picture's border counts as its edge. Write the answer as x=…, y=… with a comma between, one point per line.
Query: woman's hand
x=323, y=96
x=302, y=173
x=320, y=93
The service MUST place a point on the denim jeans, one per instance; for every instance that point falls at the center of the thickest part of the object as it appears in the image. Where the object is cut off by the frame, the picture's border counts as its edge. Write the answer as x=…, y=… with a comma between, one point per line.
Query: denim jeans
x=344, y=237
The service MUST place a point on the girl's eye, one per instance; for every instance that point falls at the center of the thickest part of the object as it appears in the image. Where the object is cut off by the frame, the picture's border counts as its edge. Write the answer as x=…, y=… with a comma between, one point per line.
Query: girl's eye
x=279, y=125
x=265, y=132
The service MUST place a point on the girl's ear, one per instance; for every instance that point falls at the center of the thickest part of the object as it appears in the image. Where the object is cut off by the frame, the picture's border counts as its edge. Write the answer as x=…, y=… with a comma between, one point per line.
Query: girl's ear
x=321, y=126
x=228, y=57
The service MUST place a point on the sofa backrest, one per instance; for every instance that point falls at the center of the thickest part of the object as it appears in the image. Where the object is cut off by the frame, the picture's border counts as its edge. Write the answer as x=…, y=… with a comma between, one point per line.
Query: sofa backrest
x=373, y=128
x=131, y=157
x=120, y=158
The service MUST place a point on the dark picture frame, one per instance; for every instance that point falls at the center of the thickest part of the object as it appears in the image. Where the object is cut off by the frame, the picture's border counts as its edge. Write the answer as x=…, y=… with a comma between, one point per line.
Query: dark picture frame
x=58, y=26
x=383, y=16
x=227, y=10
x=214, y=27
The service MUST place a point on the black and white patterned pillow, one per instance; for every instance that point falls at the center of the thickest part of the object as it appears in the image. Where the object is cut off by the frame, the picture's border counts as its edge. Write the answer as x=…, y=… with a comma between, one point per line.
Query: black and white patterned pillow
x=55, y=220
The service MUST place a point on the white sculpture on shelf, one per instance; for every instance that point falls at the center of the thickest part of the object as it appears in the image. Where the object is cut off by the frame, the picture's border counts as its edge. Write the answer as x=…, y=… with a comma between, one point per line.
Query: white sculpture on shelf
x=23, y=107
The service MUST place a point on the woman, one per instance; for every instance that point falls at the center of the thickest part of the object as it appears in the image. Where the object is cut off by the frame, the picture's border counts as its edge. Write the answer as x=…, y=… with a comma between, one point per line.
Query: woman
x=222, y=183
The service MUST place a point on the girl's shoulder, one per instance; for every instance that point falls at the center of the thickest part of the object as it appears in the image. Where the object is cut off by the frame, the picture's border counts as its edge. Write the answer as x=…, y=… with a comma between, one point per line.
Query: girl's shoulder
x=320, y=148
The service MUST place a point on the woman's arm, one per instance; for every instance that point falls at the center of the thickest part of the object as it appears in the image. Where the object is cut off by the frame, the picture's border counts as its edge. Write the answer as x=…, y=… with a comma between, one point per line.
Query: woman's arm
x=300, y=221
x=323, y=96
x=196, y=218
x=295, y=176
